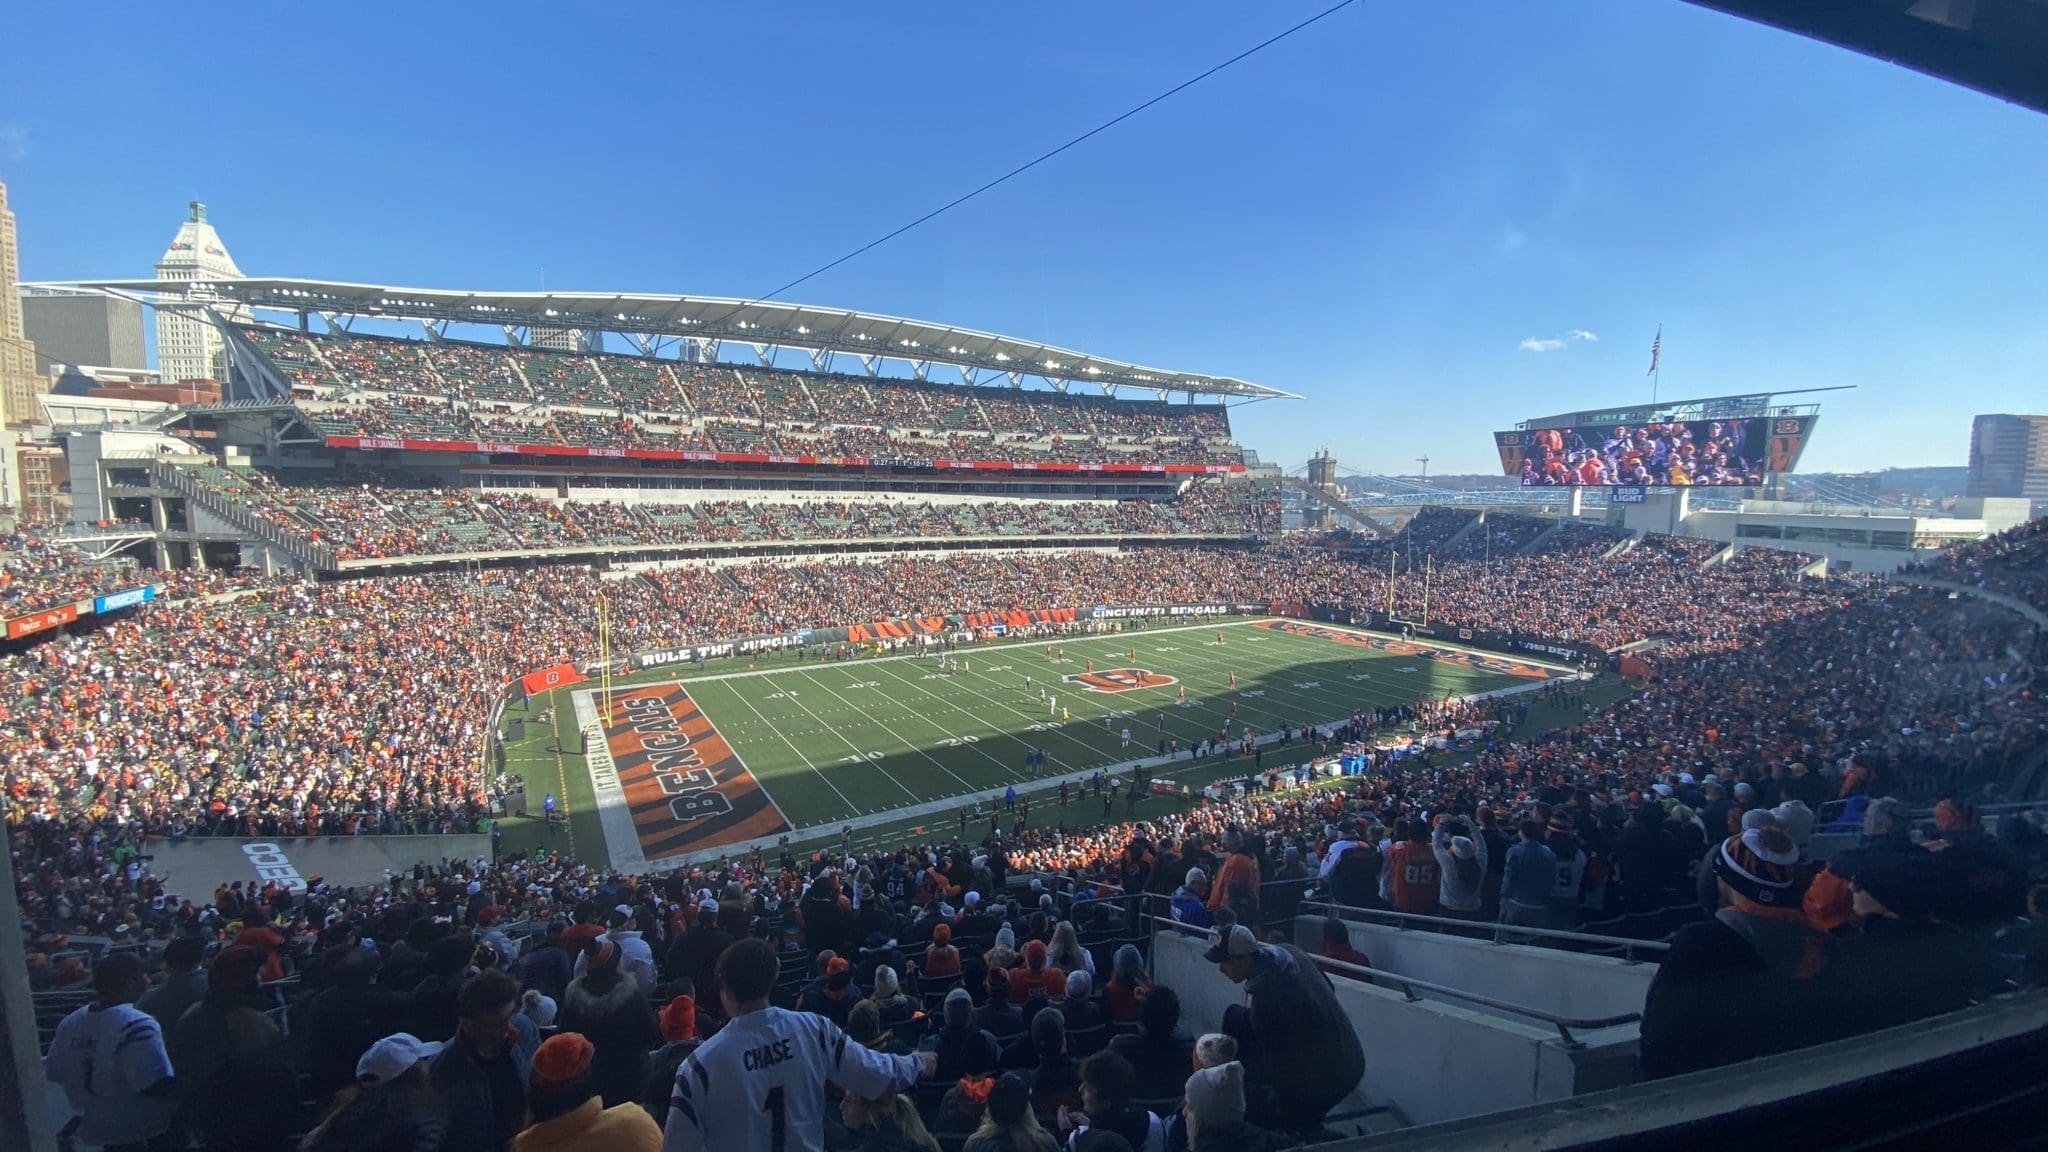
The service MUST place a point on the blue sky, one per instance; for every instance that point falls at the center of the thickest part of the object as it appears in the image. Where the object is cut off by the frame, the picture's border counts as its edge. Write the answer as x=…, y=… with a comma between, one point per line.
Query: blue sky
x=1377, y=213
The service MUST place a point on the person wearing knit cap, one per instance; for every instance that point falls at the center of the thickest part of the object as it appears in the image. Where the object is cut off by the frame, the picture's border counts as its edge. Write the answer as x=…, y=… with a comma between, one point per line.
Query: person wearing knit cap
x=889, y=999
x=1214, y=1111
x=568, y=1114
x=1008, y=1124
x=941, y=958
x=1758, y=951
x=1797, y=821
x=997, y=1016
x=1074, y=1004
x=606, y=1006
x=1037, y=976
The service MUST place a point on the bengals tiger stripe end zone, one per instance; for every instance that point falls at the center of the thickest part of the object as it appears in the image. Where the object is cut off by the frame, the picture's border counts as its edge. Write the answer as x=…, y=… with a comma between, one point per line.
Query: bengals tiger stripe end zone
x=675, y=775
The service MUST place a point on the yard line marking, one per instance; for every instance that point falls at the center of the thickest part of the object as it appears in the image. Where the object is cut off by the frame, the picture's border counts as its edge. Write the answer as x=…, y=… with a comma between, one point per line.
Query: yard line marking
x=991, y=725
x=836, y=732
x=890, y=729
x=850, y=805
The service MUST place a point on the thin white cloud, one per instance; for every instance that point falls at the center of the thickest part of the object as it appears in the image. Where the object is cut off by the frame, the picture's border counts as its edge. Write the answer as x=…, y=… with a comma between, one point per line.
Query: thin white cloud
x=13, y=141
x=1557, y=343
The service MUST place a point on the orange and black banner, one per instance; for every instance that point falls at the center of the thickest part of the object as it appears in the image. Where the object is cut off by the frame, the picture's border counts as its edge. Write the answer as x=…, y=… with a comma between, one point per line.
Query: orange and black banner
x=685, y=788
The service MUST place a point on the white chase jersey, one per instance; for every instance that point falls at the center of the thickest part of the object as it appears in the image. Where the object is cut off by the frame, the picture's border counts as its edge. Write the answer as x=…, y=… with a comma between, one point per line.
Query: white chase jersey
x=760, y=1083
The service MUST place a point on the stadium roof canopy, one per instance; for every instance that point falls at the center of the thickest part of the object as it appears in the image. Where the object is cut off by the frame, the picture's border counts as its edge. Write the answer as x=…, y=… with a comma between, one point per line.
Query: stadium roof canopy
x=651, y=323
x=1998, y=47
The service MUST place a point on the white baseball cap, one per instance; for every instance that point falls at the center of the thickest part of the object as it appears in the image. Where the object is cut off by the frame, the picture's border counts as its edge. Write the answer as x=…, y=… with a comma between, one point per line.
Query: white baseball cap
x=394, y=1056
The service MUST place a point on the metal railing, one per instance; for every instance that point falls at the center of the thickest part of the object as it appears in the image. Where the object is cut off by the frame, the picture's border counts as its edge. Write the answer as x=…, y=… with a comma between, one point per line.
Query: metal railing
x=1407, y=986
x=1501, y=933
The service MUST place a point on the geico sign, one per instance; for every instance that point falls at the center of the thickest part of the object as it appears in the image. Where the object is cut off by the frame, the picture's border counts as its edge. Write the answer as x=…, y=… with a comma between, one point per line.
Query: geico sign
x=271, y=863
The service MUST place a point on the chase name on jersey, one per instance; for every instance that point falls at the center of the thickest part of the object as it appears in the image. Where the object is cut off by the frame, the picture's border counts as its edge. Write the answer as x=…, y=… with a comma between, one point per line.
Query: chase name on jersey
x=768, y=1055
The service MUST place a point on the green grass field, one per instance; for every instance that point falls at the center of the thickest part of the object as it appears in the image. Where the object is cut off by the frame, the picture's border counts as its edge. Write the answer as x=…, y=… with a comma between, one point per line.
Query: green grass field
x=893, y=742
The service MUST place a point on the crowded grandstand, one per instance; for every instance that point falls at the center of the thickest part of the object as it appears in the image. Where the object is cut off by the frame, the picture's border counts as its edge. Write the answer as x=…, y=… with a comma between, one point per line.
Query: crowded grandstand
x=666, y=751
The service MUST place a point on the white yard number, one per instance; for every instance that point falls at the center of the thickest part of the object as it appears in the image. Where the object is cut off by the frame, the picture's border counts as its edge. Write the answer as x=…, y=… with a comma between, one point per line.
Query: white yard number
x=1309, y=684
x=1359, y=676
x=865, y=684
x=956, y=741
x=780, y=696
x=1001, y=667
x=1253, y=692
x=860, y=757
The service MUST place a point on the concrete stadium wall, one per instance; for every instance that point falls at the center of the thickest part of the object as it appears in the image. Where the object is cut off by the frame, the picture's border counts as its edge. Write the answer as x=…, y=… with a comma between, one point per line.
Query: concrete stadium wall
x=203, y=863
x=1562, y=983
x=1430, y=1061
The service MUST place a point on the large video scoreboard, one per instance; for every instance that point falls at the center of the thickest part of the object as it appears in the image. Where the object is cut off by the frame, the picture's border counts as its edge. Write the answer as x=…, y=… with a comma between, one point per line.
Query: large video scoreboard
x=1721, y=442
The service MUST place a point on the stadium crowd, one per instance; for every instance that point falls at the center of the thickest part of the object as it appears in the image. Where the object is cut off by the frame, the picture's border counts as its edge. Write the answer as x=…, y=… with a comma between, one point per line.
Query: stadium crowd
x=369, y=515
x=1779, y=707
x=372, y=386
x=2014, y=562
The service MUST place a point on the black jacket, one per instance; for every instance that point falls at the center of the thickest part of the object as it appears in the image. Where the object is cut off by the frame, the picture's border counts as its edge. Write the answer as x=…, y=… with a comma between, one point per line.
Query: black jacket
x=1306, y=1055
x=620, y=1025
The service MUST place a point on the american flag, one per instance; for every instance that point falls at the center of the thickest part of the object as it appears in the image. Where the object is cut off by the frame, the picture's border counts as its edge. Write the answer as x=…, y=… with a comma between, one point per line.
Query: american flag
x=1656, y=345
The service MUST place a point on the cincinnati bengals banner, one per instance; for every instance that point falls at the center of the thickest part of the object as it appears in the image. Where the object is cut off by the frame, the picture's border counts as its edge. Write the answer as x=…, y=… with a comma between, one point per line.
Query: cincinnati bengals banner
x=560, y=676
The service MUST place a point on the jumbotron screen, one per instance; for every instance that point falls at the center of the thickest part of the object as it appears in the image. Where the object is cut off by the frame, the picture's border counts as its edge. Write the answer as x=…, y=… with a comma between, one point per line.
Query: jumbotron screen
x=1729, y=453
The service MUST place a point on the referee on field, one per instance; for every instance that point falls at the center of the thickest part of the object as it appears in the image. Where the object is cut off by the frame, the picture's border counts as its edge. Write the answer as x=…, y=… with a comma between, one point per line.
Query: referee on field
x=760, y=1082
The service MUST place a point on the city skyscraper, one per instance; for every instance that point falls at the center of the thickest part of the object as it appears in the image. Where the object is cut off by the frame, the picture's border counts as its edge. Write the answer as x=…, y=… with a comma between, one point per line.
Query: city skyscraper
x=188, y=347
x=20, y=383
x=2009, y=456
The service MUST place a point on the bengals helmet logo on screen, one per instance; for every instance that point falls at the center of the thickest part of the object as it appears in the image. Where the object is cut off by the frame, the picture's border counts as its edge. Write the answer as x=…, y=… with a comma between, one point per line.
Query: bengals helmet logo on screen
x=1121, y=680
x=1787, y=428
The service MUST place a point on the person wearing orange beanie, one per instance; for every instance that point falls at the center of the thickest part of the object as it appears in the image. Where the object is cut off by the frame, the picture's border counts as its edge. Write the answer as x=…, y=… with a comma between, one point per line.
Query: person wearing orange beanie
x=567, y=1112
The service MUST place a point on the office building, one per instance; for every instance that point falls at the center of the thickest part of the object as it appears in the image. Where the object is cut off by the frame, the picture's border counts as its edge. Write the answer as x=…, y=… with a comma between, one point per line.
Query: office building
x=20, y=382
x=83, y=328
x=2009, y=457
x=188, y=346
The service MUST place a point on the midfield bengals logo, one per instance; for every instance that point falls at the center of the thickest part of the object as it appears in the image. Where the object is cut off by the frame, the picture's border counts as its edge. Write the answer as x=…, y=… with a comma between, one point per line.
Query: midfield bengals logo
x=1120, y=680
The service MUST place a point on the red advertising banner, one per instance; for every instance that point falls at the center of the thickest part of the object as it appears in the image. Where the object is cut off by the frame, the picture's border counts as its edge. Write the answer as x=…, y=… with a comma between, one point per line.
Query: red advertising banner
x=560, y=676
x=41, y=621
x=409, y=445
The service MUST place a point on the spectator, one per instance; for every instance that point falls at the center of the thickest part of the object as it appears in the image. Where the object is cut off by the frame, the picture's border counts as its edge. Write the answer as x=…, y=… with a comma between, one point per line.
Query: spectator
x=887, y=1124
x=108, y=1057
x=1215, y=1113
x=890, y=1003
x=1074, y=1004
x=1305, y=1055
x=833, y=996
x=960, y=1043
x=1008, y=1125
x=605, y=1006
x=567, y=1113
x=1337, y=946
x=1055, y=1076
x=679, y=1039
x=226, y=1047
x=1526, y=882
x=345, y=1020
x=184, y=982
x=482, y=1073
x=1159, y=1054
x=1461, y=868
x=998, y=1017
x=548, y=968
x=1190, y=900
x=1106, y=1083
x=1037, y=977
x=941, y=958
x=760, y=1082
x=390, y=1107
x=1757, y=952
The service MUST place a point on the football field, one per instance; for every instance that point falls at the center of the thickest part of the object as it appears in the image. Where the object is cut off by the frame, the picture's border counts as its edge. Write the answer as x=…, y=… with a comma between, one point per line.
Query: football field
x=687, y=762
